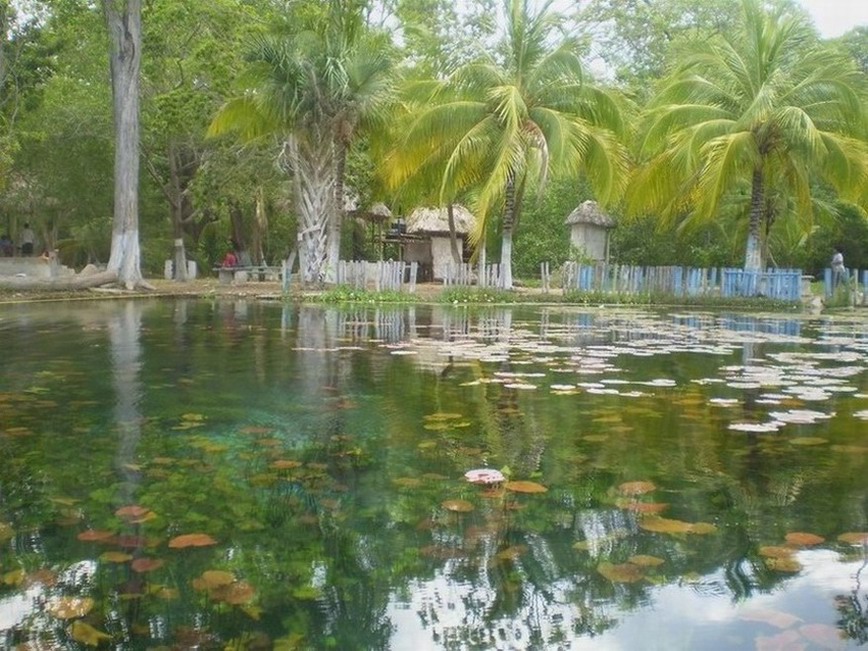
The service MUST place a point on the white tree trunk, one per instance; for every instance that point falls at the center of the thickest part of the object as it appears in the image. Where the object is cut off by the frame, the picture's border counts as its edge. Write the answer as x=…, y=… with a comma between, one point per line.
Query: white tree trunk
x=124, y=21
x=314, y=174
x=506, y=259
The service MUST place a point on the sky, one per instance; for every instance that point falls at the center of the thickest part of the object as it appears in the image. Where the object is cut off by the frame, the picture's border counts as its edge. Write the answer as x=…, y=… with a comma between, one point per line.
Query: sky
x=834, y=17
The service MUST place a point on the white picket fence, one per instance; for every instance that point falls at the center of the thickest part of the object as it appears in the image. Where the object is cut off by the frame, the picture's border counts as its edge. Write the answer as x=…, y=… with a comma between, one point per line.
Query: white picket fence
x=466, y=275
x=379, y=276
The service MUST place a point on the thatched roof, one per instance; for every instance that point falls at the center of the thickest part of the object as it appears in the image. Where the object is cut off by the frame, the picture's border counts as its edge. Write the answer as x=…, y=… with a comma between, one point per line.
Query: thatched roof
x=436, y=220
x=588, y=212
x=379, y=212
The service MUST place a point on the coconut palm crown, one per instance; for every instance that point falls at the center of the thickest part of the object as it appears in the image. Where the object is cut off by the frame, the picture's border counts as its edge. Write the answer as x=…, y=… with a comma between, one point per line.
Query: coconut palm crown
x=520, y=112
x=762, y=113
x=314, y=83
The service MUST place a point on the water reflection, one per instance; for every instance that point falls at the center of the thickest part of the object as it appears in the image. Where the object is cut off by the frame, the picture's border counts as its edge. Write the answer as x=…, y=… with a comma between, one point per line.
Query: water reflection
x=683, y=478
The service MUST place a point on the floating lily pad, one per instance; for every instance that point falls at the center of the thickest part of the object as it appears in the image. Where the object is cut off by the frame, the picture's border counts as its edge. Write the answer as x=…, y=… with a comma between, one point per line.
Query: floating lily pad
x=94, y=535
x=211, y=579
x=115, y=557
x=407, y=482
x=142, y=565
x=803, y=539
x=511, y=553
x=854, y=538
x=776, y=551
x=636, y=487
x=6, y=532
x=644, y=560
x=657, y=524
x=132, y=512
x=87, y=634
x=70, y=607
x=236, y=594
x=286, y=464
x=457, y=506
x=781, y=564
x=808, y=440
x=192, y=540
x=621, y=573
x=645, y=508
x=524, y=487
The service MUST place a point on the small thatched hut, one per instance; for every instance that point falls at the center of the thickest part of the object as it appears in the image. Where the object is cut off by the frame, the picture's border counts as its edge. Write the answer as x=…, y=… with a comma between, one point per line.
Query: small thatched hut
x=427, y=240
x=589, y=230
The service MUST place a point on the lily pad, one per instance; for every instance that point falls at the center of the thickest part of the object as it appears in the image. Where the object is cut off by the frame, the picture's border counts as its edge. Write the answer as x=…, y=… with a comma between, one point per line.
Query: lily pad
x=132, y=512
x=644, y=560
x=789, y=565
x=657, y=524
x=525, y=487
x=211, y=579
x=87, y=634
x=802, y=539
x=457, y=506
x=285, y=464
x=854, y=538
x=142, y=565
x=94, y=535
x=621, y=573
x=6, y=532
x=776, y=551
x=636, y=487
x=808, y=440
x=192, y=540
x=115, y=557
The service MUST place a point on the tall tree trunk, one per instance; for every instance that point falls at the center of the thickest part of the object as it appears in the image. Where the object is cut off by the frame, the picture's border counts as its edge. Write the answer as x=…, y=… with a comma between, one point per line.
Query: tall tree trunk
x=177, y=207
x=453, y=236
x=753, y=252
x=336, y=219
x=124, y=22
x=506, y=236
x=260, y=227
x=313, y=169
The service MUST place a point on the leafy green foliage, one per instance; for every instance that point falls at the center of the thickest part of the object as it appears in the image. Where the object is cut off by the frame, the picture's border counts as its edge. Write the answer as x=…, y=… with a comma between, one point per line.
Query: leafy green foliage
x=347, y=294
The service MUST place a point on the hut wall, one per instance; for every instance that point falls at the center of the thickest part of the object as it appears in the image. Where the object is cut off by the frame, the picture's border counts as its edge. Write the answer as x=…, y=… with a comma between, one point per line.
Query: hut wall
x=417, y=252
x=441, y=253
x=590, y=239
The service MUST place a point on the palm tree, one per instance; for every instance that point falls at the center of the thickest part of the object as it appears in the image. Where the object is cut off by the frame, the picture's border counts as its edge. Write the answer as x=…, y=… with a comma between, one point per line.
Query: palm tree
x=760, y=114
x=521, y=112
x=315, y=89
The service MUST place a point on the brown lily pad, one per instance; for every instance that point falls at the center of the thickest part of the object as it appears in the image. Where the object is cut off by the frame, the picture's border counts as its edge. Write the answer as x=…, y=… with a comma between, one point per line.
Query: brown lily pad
x=236, y=594
x=192, y=540
x=457, y=506
x=95, y=535
x=657, y=524
x=636, y=487
x=776, y=551
x=802, y=539
x=286, y=464
x=142, y=565
x=525, y=487
x=854, y=538
x=132, y=512
x=621, y=573
x=115, y=557
x=644, y=560
x=782, y=564
x=211, y=579
x=87, y=634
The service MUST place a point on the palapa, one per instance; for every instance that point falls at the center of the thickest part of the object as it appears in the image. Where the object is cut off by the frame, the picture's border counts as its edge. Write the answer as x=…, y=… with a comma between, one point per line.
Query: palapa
x=589, y=212
x=436, y=220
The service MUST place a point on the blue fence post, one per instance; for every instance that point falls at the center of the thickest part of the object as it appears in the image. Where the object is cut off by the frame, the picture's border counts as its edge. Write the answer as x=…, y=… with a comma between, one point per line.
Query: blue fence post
x=827, y=282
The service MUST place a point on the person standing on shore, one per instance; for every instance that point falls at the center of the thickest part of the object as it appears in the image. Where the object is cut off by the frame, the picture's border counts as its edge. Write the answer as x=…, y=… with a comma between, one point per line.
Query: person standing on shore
x=839, y=271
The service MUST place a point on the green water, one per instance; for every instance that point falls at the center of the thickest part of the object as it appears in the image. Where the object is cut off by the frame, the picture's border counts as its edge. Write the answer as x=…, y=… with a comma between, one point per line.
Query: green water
x=316, y=458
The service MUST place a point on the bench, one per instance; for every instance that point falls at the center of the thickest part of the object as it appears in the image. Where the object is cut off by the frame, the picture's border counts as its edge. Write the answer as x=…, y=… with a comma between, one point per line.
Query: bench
x=238, y=275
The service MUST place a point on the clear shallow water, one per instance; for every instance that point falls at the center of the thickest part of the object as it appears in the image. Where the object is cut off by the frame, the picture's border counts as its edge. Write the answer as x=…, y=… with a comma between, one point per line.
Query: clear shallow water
x=699, y=472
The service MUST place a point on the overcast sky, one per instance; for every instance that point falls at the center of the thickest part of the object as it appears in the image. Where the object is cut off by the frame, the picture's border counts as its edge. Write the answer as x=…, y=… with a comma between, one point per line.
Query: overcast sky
x=834, y=17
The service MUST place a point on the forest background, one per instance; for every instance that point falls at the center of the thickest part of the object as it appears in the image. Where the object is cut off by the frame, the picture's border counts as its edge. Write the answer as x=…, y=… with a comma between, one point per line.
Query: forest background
x=56, y=131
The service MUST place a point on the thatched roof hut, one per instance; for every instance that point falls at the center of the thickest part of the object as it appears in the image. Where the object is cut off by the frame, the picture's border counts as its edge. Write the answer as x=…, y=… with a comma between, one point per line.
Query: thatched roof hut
x=589, y=230
x=379, y=212
x=589, y=212
x=436, y=220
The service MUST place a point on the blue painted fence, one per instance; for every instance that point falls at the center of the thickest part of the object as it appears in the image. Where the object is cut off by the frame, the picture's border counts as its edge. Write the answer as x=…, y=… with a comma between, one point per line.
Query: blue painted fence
x=854, y=280
x=779, y=284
